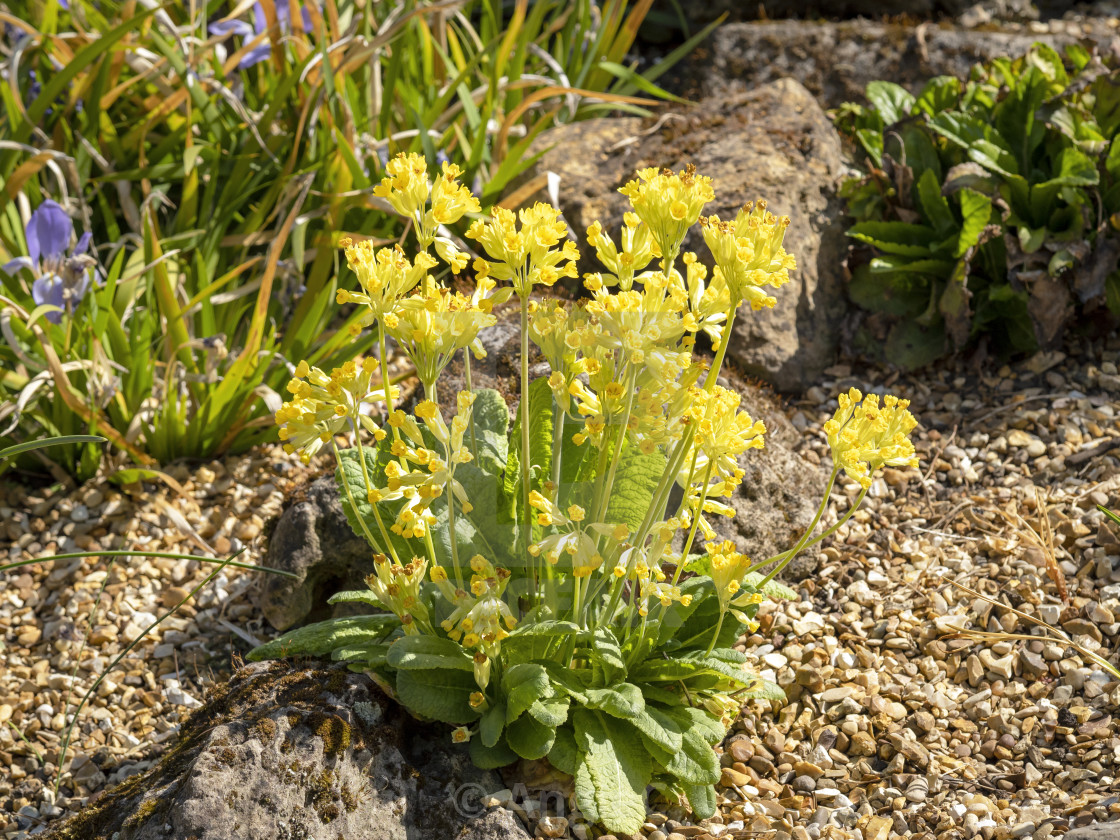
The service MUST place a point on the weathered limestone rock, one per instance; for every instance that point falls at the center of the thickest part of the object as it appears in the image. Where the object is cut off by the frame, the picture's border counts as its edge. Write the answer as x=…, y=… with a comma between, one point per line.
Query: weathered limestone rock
x=835, y=61
x=286, y=751
x=774, y=142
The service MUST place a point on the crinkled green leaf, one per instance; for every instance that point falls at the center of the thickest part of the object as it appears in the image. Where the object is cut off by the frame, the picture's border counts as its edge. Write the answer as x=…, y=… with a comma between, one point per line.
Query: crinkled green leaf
x=424, y=652
x=618, y=769
x=530, y=738
x=551, y=711
x=322, y=638
x=564, y=755
x=892, y=101
x=702, y=798
x=491, y=758
x=691, y=719
x=440, y=694
x=492, y=723
x=695, y=762
x=623, y=700
x=524, y=684
x=607, y=655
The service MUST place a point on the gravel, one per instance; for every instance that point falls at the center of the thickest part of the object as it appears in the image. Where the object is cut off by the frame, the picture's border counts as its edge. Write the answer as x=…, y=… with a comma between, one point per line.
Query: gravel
x=899, y=724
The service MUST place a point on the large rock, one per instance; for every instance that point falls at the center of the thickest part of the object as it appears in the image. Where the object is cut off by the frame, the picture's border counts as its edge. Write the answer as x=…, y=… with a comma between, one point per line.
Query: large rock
x=835, y=61
x=774, y=143
x=284, y=752
x=313, y=540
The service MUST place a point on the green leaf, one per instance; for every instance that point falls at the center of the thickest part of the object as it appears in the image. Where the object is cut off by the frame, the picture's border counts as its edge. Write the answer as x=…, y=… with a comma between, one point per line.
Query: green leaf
x=551, y=711
x=422, y=652
x=976, y=210
x=492, y=723
x=530, y=738
x=564, y=755
x=659, y=728
x=691, y=719
x=1074, y=169
x=618, y=769
x=771, y=589
x=911, y=346
x=440, y=694
x=623, y=700
x=934, y=205
x=540, y=440
x=695, y=761
x=491, y=758
x=524, y=684
x=62, y=440
x=892, y=101
x=896, y=237
x=322, y=638
x=606, y=653
x=935, y=268
x=702, y=798
x=898, y=294
x=634, y=482
x=939, y=94
x=761, y=689
x=355, y=596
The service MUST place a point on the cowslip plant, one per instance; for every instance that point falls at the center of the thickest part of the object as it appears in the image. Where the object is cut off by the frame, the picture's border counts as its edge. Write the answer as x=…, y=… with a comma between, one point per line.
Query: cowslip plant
x=539, y=590
x=989, y=206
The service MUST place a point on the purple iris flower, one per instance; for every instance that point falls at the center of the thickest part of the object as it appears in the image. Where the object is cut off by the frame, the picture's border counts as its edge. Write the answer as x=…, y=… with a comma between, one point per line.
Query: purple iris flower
x=260, y=24
x=61, y=280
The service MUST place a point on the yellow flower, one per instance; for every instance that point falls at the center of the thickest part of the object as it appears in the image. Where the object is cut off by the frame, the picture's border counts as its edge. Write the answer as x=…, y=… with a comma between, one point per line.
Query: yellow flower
x=398, y=589
x=669, y=204
x=638, y=249
x=748, y=253
x=721, y=432
x=450, y=199
x=406, y=186
x=385, y=275
x=864, y=436
x=528, y=256
x=434, y=324
x=460, y=735
x=324, y=405
x=727, y=568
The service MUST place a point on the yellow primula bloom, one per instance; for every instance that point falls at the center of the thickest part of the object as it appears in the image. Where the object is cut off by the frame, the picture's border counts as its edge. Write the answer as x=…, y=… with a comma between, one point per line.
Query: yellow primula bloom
x=638, y=250
x=406, y=186
x=727, y=568
x=864, y=436
x=385, y=275
x=748, y=253
x=527, y=256
x=669, y=203
x=482, y=619
x=450, y=199
x=433, y=325
x=397, y=587
x=324, y=405
x=720, y=431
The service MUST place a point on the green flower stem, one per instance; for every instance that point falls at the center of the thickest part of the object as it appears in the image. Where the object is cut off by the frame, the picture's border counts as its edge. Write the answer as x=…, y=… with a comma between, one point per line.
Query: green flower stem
x=526, y=458
x=641, y=638
x=126, y=553
x=601, y=511
x=354, y=504
x=826, y=533
x=715, y=635
x=470, y=389
x=717, y=364
x=703, y=497
x=808, y=531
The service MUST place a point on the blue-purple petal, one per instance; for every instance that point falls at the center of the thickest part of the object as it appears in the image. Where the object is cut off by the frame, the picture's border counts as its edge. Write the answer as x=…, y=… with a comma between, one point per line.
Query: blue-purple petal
x=48, y=232
x=231, y=27
x=83, y=243
x=48, y=290
x=306, y=17
x=12, y=266
x=256, y=55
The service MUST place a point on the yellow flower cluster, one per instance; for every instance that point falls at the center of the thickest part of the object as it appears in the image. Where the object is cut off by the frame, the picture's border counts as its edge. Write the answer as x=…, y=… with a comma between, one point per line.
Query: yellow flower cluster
x=638, y=250
x=721, y=433
x=749, y=253
x=397, y=587
x=408, y=189
x=324, y=405
x=481, y=619
x=529, y=256
x=432, y=326
x=384, y=274
x=420, y=475
x=864, y=436
x=669, y=204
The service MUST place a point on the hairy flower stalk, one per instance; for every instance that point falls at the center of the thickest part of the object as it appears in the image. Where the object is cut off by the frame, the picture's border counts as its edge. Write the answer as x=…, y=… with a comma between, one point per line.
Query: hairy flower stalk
x=524, y=600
